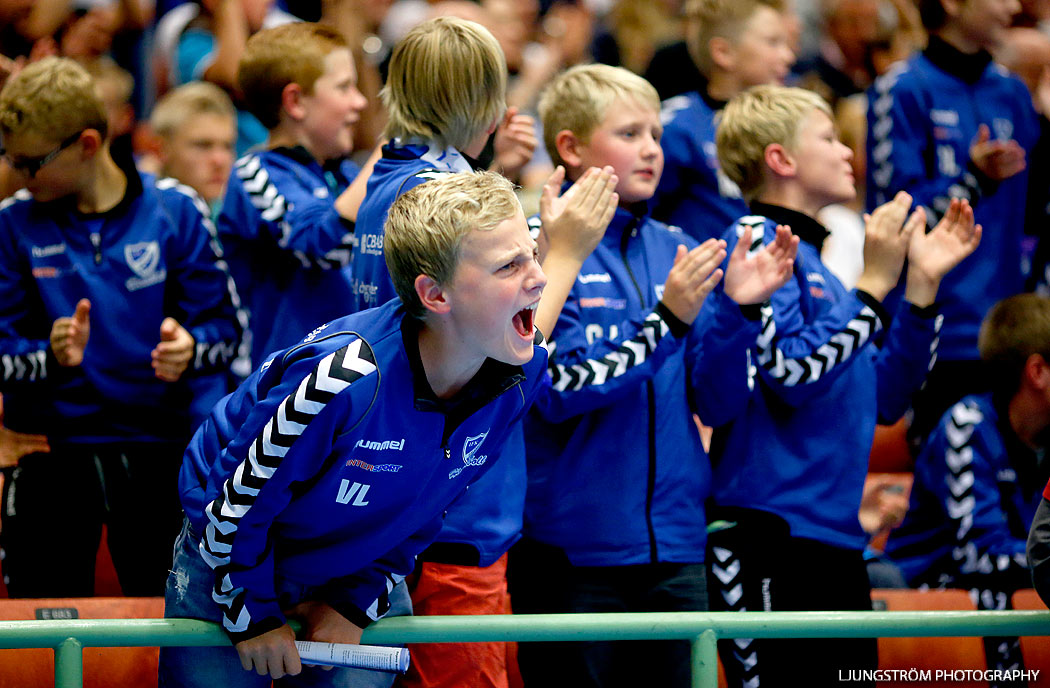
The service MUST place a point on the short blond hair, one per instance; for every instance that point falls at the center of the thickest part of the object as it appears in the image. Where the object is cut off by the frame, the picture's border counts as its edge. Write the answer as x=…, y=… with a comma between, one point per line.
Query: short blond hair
x=106, y=72
x=579, y=98
x=753, y=120
x=1013, y=330
x=287, y=54
x=709, y=19
x=425, y=227
x=189, y=100
x=447, y=82
x=54, y=97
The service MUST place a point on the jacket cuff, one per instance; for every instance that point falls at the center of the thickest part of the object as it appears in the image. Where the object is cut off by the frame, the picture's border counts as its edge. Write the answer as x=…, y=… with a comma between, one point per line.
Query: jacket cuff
x=874, y=304
x=256, y=629
x=678, y=328
x=51, y=364
x=924, y=312
x=753, y=311
x=351, y=613
x=986, y=186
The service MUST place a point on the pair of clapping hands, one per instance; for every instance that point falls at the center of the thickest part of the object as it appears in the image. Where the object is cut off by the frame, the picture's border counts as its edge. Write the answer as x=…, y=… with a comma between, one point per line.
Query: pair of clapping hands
x=69, y=338
x=892, y=234
x=575, y=222
x=170, y=358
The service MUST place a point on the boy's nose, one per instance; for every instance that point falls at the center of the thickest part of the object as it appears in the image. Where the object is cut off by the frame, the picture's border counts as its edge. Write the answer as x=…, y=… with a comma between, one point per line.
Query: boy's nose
x=536, y=279
x=360, y=102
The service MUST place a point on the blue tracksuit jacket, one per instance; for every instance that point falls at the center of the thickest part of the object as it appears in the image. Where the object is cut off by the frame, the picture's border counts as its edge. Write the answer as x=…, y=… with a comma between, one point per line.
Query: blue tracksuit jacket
x=826, y=372
x=402, y=166
x=694, y=194
x=333, y=464
x=923, y=116
x=286, y=245
x=976, y=490
x=485, y=522
x=617, y=473
x=152, y=256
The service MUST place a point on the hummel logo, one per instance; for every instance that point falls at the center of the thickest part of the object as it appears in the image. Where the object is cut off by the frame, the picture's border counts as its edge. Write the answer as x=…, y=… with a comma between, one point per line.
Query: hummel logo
x=396, y=445
x=357, y=492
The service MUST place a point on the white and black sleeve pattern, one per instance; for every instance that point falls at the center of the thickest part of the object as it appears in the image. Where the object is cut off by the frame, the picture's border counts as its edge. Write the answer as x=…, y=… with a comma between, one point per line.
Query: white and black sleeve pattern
x=327, y=245
x=962, y=496
x=244, y=490
x=791, y=369
x=26, y=367
x=897, y=143
x=598, y=371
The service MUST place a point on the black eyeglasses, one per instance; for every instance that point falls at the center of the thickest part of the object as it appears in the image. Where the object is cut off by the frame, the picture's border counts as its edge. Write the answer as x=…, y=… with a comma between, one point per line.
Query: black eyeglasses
x=30, y=166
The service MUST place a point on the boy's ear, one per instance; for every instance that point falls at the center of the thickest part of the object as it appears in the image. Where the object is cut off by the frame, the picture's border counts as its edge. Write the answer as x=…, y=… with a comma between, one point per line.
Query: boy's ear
x=1037, y=372
x=495, y=125
x=292, y=101
x=779, y=160
x=723, y=55
x=432, y=295
x=90, y=141
x=568, y=146
x=161, y=147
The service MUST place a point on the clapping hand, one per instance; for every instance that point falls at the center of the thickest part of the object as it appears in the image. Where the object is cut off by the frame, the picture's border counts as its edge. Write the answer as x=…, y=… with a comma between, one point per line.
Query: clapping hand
x=932, y=255
x=753, y=279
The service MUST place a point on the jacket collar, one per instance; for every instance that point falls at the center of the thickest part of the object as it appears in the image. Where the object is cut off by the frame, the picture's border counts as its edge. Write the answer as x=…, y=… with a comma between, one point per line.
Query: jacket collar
x=626, y=219
x=493, y=379
x=946, y=57
x=429, y=151
x=1029, y=463
x=711, y=102
x=803, y=226
x=297, y=153
x=305, y=158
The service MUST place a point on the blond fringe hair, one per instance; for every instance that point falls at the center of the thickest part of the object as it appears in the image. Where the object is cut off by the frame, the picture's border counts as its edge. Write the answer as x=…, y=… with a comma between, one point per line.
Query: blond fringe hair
x=579, y=98
x=189, y=100
x=753, y=120
x=54, y=97
x=425, y=227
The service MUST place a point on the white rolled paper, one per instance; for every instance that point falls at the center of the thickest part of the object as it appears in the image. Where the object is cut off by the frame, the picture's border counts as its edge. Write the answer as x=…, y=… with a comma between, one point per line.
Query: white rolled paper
x=376, y=657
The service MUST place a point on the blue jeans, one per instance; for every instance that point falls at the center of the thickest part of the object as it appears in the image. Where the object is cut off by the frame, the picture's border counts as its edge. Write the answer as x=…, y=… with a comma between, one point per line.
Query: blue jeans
x=188, y=595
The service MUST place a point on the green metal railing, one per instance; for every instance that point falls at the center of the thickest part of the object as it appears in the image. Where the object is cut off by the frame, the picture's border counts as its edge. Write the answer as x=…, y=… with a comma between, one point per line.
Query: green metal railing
x=703, y=629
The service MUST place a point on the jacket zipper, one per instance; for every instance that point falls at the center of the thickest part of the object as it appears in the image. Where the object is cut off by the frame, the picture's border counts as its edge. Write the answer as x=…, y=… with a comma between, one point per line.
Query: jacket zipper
x=96, y=243
x=629, y=231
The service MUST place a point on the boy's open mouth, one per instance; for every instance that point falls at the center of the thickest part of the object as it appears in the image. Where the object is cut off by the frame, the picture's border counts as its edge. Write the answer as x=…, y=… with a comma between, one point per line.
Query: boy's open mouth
x=524, y=320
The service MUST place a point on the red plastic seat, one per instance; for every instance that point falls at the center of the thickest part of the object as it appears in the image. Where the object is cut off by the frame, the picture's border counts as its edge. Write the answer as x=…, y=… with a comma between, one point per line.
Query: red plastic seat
x=929, y=653
x=104, y=667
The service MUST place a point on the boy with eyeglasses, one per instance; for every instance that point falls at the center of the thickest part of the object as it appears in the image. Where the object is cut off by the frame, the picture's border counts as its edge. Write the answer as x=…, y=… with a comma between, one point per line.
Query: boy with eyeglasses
x=116, y=319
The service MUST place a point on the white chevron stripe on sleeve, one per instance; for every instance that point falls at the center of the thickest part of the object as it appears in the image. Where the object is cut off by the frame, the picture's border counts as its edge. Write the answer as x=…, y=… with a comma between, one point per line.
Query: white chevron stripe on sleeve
x=264, y=456
x=810, y=368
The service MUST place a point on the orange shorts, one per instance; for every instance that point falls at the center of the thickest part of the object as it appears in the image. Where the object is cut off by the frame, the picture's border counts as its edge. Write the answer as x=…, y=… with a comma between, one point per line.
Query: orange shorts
x=449, y=589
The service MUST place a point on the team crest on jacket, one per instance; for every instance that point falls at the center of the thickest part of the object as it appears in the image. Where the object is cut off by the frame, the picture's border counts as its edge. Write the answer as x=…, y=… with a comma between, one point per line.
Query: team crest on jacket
x=144, y=260
x=470, y=450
